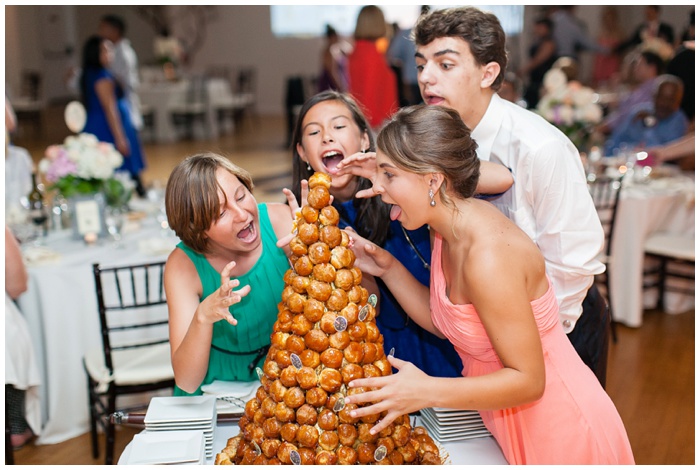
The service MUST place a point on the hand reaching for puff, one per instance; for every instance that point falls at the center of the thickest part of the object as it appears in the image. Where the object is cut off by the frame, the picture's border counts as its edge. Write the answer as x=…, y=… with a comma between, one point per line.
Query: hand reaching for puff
x=369, y=257
x=360, y=164
x=397, y=394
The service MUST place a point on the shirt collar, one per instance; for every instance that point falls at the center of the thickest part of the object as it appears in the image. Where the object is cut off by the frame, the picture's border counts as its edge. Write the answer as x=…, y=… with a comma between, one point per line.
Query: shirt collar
x=485, y=132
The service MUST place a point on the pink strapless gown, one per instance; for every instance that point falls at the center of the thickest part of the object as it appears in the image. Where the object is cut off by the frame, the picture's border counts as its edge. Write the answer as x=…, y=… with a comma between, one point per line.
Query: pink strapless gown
x=574, y=422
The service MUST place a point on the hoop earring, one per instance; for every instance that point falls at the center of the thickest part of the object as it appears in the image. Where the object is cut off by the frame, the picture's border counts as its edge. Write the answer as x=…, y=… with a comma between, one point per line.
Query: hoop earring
x=431, y=194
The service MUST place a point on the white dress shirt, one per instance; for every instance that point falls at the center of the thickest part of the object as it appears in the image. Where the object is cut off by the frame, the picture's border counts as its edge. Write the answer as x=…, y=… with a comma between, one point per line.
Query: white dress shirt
x=549, y=199
x=125, y=68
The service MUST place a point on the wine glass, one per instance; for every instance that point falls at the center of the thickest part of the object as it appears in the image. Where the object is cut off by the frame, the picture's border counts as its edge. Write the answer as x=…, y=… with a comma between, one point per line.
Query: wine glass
x=39, y=218
x=114, y=220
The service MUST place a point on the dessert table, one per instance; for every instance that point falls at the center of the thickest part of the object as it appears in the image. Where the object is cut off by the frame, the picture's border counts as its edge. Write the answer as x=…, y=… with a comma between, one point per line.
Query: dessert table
x=656, y=204
x=481, y=451
x=60, y=306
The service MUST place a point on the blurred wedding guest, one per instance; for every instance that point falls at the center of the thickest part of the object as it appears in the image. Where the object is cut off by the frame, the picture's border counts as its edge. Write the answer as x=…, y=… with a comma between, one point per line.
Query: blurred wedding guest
x=689, y=31
x=571, y=35
x=606, y=66
x=511, y=90
x=334, y=62
x=402, y=53
x=645, y=70
x=125, y=64
x=652, y=27
x=372, y=82
x=108, y=113
x=541, y=57
x=224, y=279
x=682, y=65
x=21, y=372
x=680, y=151
x=18, y=168
x=655, y=124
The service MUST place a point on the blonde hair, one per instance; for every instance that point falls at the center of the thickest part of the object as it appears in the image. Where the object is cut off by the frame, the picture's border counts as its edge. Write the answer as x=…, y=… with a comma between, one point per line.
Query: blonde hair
x=370, y=23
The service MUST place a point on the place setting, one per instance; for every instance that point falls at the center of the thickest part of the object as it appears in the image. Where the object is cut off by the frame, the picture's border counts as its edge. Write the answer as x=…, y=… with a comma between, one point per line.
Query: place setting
x=179, y=430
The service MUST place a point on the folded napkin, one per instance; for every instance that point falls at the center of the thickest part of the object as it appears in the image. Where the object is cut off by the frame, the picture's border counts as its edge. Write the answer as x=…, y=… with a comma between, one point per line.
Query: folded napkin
x=231, y=396
x=38, y=255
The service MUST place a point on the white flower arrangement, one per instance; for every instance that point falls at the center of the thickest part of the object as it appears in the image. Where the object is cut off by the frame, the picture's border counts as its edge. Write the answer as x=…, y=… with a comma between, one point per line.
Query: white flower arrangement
x=569, y=105
x=84, y=165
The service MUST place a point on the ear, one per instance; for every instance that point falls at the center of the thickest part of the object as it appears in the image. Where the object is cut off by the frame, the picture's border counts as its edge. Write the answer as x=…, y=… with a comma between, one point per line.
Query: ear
x=489, y=74
x=434, y=180
x=300, y=151
x=364, y=141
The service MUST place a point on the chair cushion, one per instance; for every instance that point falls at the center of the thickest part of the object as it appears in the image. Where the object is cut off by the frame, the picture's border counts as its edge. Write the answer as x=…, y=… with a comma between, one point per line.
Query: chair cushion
x=671, y=245
x=131, y=366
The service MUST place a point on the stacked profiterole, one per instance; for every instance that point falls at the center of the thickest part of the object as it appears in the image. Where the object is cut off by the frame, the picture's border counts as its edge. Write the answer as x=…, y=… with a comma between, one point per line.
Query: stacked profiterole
x=325, y=336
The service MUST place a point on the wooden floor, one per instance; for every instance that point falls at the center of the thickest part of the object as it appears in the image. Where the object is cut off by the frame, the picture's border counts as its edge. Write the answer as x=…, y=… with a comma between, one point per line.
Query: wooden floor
x=651, y=370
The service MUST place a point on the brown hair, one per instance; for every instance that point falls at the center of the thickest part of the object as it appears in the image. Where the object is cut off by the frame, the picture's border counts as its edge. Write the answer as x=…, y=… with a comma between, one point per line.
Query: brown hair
x=370, y=23
x=192, y=196
x=480, y=29
x=425, y=139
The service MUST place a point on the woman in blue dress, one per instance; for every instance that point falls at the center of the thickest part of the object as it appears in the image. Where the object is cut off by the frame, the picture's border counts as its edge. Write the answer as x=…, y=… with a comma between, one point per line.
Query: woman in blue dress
x=108, y=116
x=331, y=127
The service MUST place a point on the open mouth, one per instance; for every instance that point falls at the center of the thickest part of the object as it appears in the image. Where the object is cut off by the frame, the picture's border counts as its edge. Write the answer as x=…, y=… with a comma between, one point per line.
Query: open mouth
x=331, y=160
x=433, y=99
x=248, y=233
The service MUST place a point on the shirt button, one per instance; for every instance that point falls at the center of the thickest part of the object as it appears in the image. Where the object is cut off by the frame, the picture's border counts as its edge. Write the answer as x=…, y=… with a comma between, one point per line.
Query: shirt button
x=567, y=323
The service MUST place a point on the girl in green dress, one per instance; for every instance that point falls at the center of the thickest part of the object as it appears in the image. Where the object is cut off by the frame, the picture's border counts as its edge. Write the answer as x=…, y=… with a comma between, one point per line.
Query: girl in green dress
x=224, y=280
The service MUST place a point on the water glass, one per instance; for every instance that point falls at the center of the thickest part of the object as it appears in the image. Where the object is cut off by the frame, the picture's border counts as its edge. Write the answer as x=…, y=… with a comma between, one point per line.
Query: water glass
x=114, y=220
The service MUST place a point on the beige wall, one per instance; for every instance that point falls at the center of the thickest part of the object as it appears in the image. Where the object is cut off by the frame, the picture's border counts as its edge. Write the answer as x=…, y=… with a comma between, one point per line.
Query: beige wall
x=238, y=36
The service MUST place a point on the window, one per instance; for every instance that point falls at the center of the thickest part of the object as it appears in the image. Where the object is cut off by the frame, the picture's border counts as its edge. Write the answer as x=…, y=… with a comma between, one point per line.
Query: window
x=311, y=20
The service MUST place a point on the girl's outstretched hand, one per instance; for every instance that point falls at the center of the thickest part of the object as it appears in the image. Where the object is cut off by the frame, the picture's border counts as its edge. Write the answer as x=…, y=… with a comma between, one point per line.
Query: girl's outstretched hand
x=216, y=306
x=295, y=209
x=369, y=257
x=360, y=164
x=397, y=394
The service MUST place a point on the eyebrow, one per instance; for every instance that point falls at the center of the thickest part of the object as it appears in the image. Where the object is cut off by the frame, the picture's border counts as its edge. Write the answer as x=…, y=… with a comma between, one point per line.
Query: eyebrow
x=438, y=53
x=386, y=165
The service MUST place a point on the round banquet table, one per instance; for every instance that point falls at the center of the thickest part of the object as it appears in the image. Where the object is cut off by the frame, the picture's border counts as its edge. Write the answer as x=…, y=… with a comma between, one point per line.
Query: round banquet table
x=60, y=306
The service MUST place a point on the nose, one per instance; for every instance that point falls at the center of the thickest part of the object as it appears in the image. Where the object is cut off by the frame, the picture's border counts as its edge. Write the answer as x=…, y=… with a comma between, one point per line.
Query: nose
x=327, y=135
x=425, y=76
x=377, y=188
x=238, y=213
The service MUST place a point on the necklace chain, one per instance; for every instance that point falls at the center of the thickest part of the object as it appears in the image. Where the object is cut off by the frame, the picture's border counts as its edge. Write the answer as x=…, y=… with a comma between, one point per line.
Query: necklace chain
x=426, y=265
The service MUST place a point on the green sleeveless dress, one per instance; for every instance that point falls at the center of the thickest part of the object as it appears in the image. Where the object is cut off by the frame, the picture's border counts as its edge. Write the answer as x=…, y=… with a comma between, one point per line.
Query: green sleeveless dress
x=237, y=350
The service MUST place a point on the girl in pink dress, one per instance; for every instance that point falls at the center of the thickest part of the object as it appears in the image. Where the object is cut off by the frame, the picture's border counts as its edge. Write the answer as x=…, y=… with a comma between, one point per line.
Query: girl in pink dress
x=490, y=296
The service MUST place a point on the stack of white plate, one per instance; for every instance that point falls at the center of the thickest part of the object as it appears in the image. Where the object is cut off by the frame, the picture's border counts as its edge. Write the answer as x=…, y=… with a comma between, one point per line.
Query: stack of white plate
x=445, y=424
x=167, y=414
x=166, y=447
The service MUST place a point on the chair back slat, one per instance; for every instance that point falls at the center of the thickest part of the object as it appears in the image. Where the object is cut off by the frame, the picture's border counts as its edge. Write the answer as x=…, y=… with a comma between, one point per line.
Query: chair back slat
x=133, y=311
x=605, y=192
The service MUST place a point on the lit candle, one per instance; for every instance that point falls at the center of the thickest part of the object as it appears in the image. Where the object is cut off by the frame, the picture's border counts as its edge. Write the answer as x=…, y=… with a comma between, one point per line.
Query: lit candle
x=90, y=238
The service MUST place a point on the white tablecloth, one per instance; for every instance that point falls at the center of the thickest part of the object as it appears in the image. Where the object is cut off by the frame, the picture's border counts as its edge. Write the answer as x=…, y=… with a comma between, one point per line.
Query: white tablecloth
x=61, y=309
x=667, y=205
x=481, y=451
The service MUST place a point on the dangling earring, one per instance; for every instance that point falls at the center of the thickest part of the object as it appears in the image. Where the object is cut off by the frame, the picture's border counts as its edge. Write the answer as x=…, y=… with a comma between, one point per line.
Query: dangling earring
x=431, y=194
x=308, y=166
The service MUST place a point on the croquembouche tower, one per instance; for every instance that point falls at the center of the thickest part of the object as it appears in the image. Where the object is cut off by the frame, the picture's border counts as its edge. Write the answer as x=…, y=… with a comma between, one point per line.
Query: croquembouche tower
x=324, y=337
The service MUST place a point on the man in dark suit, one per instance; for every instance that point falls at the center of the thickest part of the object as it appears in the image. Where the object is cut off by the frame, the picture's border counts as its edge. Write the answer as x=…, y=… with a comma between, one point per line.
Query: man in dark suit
x=651, y=28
